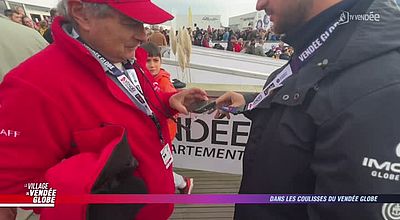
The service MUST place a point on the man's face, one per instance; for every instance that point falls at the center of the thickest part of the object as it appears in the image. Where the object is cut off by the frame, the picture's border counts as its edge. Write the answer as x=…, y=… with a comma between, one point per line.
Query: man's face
x=16, y=18
x=286, y=14
x=115, y=36
x=153, y=64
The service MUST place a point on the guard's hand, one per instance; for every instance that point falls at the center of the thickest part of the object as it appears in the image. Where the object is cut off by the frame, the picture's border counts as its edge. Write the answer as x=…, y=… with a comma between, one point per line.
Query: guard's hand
x=229, y=99
x=182, y=100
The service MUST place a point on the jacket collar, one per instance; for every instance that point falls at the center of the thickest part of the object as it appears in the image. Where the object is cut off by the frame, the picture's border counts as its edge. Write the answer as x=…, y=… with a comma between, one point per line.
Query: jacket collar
x=73, y=47
x=352, y=43
x=312, y=28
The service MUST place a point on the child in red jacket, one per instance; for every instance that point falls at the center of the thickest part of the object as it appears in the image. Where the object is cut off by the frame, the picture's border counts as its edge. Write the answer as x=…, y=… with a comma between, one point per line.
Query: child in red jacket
x=163, y=82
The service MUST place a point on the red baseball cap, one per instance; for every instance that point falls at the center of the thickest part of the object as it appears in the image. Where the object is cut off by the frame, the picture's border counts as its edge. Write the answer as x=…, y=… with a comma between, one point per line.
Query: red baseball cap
x=141, y=10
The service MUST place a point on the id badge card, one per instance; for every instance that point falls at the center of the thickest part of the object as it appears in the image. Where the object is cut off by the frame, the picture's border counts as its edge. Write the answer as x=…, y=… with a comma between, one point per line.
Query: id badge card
x=166, y=155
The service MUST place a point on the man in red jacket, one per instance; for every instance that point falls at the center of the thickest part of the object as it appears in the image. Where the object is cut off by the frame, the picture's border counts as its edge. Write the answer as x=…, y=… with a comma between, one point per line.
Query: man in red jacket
x=83, y=116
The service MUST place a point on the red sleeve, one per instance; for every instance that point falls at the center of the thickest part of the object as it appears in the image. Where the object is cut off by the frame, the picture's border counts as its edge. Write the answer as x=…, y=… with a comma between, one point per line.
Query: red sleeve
x=34, y=135
x=141, y=57
x=165, y=99
x=35, y=142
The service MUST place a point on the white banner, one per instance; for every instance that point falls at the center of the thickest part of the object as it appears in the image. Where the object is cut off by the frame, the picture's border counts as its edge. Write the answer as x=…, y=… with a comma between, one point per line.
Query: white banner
x=211, y=144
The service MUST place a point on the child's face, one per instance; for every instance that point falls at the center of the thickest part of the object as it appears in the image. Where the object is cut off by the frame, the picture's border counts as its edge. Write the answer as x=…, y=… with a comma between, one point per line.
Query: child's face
x=154, y=65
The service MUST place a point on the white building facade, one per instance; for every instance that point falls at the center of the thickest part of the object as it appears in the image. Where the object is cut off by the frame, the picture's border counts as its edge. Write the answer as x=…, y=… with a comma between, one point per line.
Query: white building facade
x=254, y=20
x=202, y=21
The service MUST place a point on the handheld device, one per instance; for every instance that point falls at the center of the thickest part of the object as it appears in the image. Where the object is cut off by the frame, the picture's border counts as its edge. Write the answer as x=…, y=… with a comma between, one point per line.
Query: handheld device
x=208, y=107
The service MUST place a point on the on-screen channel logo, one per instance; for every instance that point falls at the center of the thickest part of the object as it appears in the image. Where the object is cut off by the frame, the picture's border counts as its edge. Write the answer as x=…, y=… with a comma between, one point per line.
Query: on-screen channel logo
x=346, y=17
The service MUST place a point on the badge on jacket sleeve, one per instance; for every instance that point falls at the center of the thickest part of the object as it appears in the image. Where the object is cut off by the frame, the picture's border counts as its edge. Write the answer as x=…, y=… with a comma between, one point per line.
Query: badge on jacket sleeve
x=166, y=155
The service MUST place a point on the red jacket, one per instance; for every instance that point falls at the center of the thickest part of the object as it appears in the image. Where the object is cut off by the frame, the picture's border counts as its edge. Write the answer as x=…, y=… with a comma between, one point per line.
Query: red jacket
x=53, y=108
x=237, y=47
x=163, y=80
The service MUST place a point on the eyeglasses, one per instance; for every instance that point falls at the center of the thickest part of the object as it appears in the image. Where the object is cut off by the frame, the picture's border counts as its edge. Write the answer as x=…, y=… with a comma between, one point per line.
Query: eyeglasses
x=125, y=20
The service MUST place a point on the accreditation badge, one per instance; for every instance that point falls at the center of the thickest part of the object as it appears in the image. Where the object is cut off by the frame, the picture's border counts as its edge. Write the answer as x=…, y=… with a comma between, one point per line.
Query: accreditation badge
x=166, y=155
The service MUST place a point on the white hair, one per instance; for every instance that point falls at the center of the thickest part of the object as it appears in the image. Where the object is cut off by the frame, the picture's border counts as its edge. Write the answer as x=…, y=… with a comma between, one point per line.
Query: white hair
x=95, y=9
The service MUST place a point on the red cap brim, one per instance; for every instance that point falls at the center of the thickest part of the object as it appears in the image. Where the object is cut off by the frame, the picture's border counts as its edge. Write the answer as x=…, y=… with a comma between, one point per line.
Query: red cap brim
x=143, y=11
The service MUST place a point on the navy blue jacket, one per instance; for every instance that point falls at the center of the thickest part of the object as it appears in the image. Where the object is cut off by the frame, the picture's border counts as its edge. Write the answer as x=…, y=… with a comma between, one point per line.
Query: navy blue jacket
x=334, y=127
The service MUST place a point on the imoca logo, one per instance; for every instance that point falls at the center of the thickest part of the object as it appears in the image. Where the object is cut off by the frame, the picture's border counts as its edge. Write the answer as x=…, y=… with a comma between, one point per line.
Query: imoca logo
x=384, y=169
x=392, y=211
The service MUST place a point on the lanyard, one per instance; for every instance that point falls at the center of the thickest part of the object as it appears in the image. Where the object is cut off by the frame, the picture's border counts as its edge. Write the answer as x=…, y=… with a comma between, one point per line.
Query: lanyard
x=294, y=66
x=130, y=82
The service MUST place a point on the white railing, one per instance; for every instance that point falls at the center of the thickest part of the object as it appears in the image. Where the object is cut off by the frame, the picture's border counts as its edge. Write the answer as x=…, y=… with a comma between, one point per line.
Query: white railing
x=212, y=66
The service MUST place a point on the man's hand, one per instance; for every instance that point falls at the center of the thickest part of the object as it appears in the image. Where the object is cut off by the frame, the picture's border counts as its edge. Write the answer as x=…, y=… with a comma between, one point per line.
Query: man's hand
x=229, y=99
x=184, y=99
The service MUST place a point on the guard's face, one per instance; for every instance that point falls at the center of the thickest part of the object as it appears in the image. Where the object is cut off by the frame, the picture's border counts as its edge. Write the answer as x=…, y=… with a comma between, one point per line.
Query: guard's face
x=116, y=36
x=286, y=14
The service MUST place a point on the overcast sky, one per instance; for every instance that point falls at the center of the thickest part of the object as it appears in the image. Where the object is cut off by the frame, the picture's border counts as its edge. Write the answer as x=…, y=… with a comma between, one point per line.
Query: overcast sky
x=225, y=8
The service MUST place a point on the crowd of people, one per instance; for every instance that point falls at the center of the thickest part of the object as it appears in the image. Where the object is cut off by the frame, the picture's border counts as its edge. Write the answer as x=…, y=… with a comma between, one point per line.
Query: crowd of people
x=249, y=41
x=19, y=16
